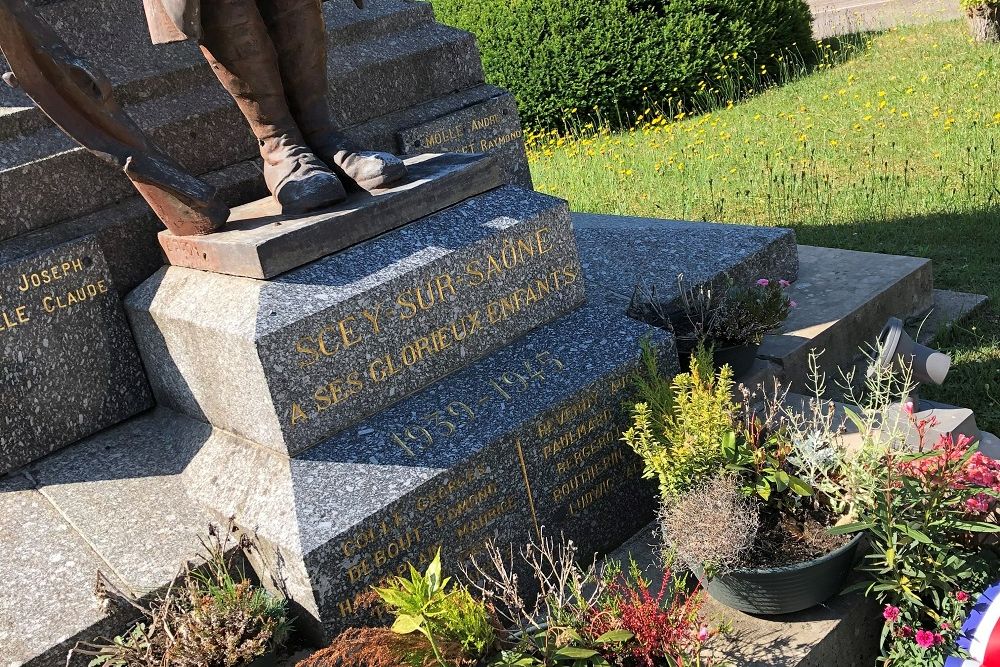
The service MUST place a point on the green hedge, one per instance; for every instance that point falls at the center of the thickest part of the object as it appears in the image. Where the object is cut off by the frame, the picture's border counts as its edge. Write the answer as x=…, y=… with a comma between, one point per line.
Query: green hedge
x=555, y=55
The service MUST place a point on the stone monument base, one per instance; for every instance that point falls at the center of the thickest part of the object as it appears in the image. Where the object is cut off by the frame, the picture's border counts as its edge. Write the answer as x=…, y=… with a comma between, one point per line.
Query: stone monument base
x=259, y=241
x=291, y=361
x=523, y=441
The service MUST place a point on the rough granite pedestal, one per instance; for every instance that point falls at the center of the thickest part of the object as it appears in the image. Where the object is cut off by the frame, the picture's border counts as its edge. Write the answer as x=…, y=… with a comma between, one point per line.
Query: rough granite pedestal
x=290, y=361
x=70, y=367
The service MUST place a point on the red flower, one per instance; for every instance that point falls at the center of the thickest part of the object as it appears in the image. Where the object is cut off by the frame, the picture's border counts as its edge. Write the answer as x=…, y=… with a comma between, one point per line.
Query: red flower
x=890, y=613
x=961, y=596
x=925, y=638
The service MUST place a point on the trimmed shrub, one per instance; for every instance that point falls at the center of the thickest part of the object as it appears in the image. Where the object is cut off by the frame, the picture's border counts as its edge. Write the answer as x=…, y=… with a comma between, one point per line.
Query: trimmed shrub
x=617, y=56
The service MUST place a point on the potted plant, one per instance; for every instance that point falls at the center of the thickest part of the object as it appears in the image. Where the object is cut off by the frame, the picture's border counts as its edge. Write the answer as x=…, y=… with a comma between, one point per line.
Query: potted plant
x=731, y=321
x=749, y=489
x=984, y=19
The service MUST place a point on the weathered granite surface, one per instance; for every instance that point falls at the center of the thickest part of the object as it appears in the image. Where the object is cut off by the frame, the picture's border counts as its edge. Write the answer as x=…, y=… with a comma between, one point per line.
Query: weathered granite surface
x=619, y=252
x=70, y=364
x=524, y=438
x=122, y=490
x=49, y=573
x=491, y=126
x=290, y=361
x=259, y=241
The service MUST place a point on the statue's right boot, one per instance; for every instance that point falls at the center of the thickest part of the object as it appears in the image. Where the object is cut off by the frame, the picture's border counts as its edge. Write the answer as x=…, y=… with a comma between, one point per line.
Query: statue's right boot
x=237, y=45
x=296, y=28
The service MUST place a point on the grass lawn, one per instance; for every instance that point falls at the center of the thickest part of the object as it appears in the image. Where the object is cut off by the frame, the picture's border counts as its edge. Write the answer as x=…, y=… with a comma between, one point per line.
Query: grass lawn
x=895, y=150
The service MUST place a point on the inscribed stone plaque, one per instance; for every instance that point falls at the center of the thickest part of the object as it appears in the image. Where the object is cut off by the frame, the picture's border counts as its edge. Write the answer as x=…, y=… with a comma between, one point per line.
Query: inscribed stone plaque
x=492, y=127
x=290, y=361
x=69, y=364
x=521, y=441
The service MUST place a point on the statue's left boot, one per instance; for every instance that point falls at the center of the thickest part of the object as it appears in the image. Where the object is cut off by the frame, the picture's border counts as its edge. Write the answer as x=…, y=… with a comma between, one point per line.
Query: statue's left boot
x=299, y=36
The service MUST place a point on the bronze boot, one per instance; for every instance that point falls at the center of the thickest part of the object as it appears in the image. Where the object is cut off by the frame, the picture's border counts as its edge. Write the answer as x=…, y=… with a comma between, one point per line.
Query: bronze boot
x=296, y=26
x=236, y=43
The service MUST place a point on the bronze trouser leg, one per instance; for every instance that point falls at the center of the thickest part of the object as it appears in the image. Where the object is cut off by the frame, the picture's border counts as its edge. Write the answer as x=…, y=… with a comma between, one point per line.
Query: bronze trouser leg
x=296, y=26
x=238, y=47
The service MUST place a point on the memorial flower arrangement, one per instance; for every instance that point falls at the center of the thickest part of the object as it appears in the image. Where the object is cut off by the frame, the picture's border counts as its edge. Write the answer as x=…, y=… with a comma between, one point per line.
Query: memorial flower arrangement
x=732, y=321
x=772, y=475
x=931, y=520
x=578, y=616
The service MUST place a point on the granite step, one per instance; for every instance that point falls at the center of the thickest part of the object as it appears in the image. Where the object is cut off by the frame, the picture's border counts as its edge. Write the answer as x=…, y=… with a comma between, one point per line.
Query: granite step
x=112, y=503
x=844, y=298
x=127, y=230
x=46, y=177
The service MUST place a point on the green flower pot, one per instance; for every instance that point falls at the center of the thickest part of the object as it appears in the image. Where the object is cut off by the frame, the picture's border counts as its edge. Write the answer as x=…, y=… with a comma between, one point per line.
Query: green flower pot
x=784, y=590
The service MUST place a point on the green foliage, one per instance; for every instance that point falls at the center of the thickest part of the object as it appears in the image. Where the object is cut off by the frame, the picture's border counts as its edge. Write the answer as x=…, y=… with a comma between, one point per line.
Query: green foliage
x=976, y=4
x=424, y=603
x=761, y=465
x=617, y=55
x=747, y=313
x=688, y=447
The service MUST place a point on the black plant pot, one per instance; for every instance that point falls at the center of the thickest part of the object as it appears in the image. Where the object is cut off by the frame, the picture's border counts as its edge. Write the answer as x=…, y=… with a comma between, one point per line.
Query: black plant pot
x=785, y=590
x=267, y=660
x=739, y=357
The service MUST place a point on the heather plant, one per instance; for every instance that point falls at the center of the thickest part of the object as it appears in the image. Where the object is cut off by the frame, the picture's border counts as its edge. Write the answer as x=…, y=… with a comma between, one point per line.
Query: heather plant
x=716, y=317
x=685, y=445
x=711, y=526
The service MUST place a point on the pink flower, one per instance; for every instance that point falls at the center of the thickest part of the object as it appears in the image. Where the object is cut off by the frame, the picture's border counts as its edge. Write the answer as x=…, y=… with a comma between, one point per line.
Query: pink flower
x=961, y=596
x=946, y=626
x=890, y=613
x=784, y=283
x=908, y=408
x=978, y=504
x=704, y=634
x=763, y=282
x=924, y=638
x=793, y=304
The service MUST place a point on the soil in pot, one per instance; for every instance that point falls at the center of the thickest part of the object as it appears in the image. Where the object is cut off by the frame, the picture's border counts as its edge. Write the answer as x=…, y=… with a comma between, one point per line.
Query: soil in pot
x=784, y=539
x=795, y=564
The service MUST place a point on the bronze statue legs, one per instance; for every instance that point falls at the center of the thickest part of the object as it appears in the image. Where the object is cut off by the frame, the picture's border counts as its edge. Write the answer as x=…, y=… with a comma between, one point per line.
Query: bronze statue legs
x=236, y=43
x=271, y=57
x=296, y=26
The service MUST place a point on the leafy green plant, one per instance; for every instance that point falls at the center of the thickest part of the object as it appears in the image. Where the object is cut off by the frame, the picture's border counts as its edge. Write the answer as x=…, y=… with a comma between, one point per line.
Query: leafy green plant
x=615, y=57
x=685, y=445
x=976, y=4
x=214, y=617
x=424, y=603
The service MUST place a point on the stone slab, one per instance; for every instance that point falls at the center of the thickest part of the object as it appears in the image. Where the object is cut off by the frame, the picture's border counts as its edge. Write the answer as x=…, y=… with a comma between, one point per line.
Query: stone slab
x=492, y=126
x=70, y=364
x=290, y=361
x=949, y=309
x=49, y=573
x=122, y=490
x=844, y=298
x=259, y=241
x=525, y=438
x=619, y=253
x=843, y=632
